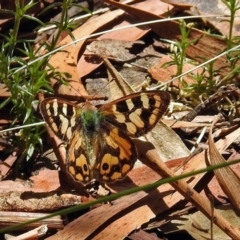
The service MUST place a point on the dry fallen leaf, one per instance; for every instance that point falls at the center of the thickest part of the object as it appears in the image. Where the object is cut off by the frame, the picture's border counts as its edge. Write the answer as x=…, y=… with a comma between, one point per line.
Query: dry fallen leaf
x=66, y=61
x=227, y=178
x=199, y=227
x=200, y=51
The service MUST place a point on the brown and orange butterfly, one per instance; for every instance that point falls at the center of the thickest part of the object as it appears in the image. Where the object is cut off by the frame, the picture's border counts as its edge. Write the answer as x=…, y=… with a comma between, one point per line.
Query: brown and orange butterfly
x=98, y=139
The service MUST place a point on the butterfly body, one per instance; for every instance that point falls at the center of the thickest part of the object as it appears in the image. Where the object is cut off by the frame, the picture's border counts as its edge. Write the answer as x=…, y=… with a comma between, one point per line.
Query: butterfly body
x=99, y=144
x=90, y=119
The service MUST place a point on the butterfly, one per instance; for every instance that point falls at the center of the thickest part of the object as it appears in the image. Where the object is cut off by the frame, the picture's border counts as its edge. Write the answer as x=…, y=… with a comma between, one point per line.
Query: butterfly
x=98, y=138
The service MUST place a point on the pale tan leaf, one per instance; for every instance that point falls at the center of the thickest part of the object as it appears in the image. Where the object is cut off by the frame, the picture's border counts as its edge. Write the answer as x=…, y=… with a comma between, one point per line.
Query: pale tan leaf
x=199, y=227
x=227, y=178
x=174, y=124
x=167, y=143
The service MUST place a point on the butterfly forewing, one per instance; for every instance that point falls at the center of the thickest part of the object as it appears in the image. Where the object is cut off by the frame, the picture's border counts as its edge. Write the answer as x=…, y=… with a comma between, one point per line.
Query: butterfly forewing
x=137, y=113
x=61, y=116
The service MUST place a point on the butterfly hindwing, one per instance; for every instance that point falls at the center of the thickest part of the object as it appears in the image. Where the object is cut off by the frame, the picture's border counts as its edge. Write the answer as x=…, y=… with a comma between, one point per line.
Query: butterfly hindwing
x=137, y=113
x=78, y=163
x=115, y=154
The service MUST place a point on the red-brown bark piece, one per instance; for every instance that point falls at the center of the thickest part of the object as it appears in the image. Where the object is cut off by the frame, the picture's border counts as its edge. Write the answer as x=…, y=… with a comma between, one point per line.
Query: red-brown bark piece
x=7, y=164
x=142, y=235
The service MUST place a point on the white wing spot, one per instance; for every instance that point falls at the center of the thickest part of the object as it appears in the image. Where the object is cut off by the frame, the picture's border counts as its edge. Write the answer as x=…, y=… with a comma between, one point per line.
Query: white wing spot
x=130, y=104
x=64, y=109
x=64, y=126
x=152, y=119
x=55, y=107
x=134, y=117
x=47, y=108
x=131, y=127
x=54, y=127
x=158, y=101
x=72, y=122
x=145, y=100
x=69, y=133
x=120, y=117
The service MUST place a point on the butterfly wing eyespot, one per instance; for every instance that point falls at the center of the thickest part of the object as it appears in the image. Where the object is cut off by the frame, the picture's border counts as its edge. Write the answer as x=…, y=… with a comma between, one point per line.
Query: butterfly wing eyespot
x=137, y=113
x=116, y=154
x=61, y=116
